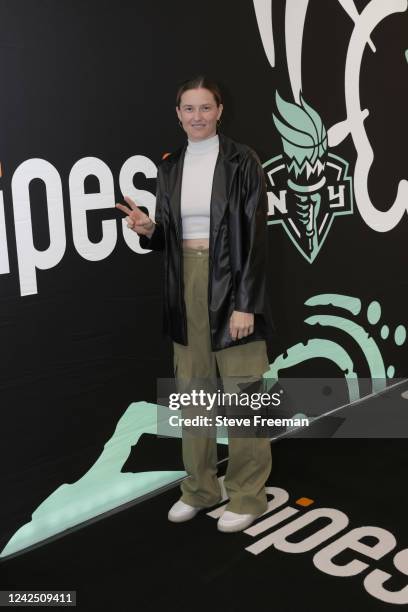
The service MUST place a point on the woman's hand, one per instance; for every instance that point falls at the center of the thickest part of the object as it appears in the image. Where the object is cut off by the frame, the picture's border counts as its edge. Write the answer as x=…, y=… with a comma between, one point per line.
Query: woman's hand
x=137, y=220
x=241, y=324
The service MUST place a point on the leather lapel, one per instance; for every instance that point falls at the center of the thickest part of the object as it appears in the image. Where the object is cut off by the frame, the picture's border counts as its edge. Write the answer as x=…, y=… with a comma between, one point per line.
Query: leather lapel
x=174, y=186
x=223, y=176
x=225, y=168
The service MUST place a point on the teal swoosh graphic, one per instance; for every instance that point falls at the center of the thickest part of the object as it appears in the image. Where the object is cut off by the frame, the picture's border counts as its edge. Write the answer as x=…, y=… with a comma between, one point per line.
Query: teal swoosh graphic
x=347, y=302
x=317, y=347
x=365, y=342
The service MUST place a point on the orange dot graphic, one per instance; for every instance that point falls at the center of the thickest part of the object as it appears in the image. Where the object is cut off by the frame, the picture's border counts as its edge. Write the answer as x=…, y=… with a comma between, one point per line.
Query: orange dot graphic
x=304, y=501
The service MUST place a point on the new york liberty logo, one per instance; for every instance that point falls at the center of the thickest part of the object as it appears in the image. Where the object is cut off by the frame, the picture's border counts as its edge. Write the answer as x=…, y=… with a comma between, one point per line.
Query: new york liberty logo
x=308, y=186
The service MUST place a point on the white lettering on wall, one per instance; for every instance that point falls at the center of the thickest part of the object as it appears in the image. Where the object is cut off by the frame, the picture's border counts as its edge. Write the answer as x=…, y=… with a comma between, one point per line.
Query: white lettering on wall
x=81, y=202
x=29, y=258
x=137, y=163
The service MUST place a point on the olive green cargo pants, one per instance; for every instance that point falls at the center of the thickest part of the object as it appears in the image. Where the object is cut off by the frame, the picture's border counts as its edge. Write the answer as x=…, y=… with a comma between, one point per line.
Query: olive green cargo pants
x=250, y=459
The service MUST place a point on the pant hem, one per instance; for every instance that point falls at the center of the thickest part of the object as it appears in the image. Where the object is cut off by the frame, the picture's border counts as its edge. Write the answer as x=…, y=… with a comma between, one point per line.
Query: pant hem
x=197, y=504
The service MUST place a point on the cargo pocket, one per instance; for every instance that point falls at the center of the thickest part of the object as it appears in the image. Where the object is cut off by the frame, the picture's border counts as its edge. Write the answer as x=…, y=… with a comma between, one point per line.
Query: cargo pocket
x=249, y=359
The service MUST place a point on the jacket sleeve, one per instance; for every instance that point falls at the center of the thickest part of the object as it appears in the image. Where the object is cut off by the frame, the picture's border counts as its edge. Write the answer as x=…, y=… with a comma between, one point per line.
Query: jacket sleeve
x=157, y=240
x=250, y=292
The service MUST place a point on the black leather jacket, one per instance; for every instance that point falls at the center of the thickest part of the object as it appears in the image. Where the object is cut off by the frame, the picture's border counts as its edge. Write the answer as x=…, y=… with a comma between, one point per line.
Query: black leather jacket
x=237, y=243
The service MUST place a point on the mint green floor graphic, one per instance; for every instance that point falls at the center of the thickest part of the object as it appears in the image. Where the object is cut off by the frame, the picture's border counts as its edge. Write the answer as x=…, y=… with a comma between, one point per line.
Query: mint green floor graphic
x=103, y=487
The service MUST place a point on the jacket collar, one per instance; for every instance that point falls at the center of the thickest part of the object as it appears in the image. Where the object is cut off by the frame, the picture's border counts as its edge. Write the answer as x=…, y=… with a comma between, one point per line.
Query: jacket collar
x=225, y=168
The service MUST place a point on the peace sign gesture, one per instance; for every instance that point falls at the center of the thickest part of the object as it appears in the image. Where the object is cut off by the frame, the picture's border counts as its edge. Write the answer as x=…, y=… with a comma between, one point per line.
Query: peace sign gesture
x=137, y=220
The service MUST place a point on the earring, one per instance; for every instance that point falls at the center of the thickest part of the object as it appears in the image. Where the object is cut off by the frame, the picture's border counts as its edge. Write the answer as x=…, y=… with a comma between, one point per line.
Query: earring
x=218, y=122
x=180, y=124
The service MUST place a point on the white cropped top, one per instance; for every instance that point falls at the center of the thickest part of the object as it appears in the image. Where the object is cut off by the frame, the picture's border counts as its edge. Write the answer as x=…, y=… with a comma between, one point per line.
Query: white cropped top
x=196, y=186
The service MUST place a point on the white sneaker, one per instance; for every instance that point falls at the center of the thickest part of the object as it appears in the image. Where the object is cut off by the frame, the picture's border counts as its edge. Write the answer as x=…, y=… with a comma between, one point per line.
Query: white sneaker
x=180, y=512
x=232, y=521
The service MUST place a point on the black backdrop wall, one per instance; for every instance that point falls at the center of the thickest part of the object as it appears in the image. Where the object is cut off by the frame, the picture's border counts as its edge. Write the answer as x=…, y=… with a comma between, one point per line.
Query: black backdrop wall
x=87, y=107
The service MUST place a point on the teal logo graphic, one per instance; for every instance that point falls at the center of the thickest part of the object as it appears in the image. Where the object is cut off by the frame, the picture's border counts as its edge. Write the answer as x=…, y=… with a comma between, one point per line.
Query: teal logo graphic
x=308, y=186
x=343, y=310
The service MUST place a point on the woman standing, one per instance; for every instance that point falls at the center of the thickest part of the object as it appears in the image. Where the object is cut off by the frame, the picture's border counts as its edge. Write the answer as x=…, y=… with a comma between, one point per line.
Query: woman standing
x=210, y=219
